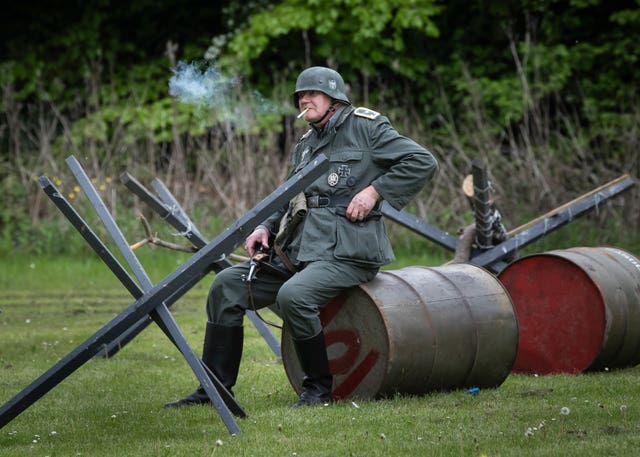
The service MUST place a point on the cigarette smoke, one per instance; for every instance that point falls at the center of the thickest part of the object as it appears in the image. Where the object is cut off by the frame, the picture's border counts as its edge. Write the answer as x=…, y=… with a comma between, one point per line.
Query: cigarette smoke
x=201, y=85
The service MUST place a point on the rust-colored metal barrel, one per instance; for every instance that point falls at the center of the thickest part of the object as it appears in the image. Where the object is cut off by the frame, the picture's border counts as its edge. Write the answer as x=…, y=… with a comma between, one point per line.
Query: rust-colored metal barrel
x=578, y=309
x=416, y=330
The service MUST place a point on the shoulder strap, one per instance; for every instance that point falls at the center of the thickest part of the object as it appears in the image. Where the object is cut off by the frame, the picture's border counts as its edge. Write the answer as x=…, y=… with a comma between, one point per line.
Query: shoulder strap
x=366, y=113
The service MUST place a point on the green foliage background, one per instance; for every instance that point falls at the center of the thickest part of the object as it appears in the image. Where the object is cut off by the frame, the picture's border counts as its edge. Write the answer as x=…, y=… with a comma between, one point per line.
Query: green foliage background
x=544, y=91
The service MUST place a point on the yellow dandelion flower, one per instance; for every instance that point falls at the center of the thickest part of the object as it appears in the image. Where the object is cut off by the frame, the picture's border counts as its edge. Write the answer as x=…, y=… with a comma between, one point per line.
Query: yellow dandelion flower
x=102, y=187
x=76, y=189
x=72, y=195
x=107, y=179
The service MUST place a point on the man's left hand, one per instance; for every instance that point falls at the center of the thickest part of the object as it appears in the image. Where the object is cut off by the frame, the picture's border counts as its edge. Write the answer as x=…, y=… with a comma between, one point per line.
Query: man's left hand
x=362, y=204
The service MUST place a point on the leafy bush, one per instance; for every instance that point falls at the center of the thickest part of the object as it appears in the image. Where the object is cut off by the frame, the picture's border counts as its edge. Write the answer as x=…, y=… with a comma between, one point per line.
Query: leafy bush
x=543, y=92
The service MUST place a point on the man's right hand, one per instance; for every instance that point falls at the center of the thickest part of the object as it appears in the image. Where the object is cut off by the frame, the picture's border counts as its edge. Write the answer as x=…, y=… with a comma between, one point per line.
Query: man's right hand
x=259, y=236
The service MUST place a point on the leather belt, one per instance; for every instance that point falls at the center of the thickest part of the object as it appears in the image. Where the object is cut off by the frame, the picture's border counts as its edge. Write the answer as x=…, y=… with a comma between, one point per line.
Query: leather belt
x=319, y=201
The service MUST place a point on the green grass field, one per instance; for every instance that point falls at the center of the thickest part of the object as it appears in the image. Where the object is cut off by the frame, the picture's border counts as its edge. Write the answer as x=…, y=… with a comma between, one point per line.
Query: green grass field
x=114, y=407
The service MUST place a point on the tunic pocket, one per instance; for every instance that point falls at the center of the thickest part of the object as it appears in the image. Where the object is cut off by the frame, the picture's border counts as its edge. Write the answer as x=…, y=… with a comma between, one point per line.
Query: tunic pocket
x=348, y=167
x=359, y=241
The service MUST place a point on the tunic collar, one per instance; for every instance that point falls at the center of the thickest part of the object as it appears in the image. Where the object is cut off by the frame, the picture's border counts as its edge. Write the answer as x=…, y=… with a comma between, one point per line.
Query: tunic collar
x=336, y=120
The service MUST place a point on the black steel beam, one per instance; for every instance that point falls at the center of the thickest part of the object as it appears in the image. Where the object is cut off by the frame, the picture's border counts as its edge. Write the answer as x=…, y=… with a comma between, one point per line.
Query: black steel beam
x=113, y=347
x=171, y=215
x=170, y=210
x=172, y=204
x=549, y=224
x=189, y=273
x=419, y=226
x=160, y=315
x=495, y=258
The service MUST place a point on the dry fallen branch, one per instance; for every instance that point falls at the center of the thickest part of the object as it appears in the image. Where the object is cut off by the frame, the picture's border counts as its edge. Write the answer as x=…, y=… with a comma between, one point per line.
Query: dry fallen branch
x=238, y=258
x=153, y=239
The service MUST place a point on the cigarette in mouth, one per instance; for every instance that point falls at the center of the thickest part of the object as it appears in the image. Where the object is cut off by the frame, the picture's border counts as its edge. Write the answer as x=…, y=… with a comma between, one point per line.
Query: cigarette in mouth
x=302, y=113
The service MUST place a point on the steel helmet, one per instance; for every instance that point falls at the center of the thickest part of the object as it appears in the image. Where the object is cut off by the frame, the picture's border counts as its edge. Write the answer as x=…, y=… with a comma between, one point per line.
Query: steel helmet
x=322, y=79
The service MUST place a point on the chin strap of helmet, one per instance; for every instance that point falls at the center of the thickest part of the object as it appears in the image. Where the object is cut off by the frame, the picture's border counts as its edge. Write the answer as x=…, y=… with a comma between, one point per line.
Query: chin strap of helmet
x=332, y=109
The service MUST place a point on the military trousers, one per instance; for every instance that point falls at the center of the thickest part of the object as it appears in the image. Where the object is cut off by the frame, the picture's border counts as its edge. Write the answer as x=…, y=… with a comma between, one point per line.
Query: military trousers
x=297, y=300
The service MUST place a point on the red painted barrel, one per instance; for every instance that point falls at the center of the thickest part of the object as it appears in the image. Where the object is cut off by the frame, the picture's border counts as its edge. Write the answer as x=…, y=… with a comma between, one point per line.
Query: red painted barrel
x=578, y=309
x=416, y=330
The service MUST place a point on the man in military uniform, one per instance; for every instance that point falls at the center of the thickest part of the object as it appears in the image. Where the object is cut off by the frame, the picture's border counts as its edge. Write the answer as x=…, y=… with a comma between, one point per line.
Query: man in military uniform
x=339, y=243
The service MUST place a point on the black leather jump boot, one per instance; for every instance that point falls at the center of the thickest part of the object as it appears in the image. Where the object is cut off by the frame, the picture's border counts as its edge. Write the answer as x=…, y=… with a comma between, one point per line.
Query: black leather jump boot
x=221, y=352
x=318, y=381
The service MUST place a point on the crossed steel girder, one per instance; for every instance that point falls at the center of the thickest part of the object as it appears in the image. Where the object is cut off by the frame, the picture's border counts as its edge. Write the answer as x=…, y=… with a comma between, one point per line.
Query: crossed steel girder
x=170, y=210
x=419, y=226
x=560, y=218
x=154, y=301
x=493, y=257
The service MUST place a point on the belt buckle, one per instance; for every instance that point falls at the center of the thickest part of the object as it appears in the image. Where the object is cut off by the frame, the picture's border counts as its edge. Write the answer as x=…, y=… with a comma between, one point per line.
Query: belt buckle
x=317, y=201
x=312, y=201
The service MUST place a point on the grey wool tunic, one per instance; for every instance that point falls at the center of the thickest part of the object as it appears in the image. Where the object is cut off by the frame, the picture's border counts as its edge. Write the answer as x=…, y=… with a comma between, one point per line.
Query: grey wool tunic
x=363, y=149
